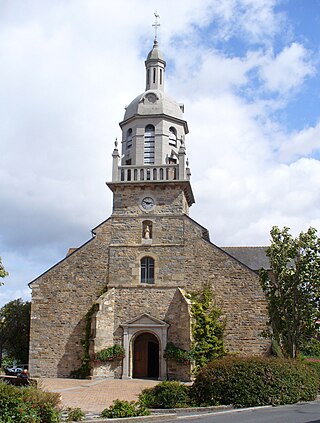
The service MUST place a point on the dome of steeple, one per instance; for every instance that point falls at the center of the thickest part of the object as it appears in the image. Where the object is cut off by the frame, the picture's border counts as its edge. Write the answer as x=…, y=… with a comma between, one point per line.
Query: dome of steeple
x=153, y=102
x=155, y=53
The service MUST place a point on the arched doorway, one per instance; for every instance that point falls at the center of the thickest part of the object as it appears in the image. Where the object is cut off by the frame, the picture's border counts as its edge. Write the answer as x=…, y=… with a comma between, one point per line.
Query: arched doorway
x=146, y=356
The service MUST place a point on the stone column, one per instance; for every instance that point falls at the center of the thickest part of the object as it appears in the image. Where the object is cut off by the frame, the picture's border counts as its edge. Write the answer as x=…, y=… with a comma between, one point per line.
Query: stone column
x=115, y=162
x=126, y=346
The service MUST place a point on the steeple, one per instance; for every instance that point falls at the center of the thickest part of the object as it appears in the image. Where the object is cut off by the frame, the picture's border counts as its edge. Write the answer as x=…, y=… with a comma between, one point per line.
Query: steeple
x=153, y=137
x=155, y=68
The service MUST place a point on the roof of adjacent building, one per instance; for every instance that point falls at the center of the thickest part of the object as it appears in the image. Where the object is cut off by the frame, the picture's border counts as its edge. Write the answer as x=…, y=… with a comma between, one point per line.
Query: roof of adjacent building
x=253, y=257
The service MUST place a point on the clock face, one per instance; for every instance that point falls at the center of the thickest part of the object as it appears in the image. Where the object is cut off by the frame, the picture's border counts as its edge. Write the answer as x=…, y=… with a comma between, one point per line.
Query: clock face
x=147, y=203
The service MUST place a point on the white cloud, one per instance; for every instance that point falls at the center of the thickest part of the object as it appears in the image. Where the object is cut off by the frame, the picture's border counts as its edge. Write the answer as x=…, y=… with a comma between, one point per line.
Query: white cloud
x=300, y=143
x=288, y=69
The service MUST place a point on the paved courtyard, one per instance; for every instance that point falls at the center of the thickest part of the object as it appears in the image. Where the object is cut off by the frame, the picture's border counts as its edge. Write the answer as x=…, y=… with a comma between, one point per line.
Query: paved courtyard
x=92, y=396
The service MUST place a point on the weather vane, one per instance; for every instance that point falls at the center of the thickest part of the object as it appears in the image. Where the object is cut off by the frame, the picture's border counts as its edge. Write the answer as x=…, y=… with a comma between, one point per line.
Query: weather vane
x=156, y=24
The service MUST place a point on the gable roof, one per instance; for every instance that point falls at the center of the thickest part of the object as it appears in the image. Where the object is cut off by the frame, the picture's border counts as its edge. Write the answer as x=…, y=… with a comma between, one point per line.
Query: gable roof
x=253, y=257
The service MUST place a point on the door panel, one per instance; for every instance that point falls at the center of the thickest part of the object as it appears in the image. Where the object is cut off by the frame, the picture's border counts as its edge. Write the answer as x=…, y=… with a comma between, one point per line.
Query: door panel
x=146, y=356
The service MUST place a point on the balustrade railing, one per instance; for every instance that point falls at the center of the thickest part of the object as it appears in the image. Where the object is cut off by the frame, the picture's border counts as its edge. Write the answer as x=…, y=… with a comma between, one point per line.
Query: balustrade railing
x=148, y=173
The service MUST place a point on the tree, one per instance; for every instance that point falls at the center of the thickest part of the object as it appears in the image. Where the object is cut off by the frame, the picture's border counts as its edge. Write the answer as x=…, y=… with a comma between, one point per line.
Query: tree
x=3, y=273
x=15, y=329
x=293, y=288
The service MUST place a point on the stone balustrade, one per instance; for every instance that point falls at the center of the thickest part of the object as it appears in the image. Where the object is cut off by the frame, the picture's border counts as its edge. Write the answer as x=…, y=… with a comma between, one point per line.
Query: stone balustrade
x=148, y=173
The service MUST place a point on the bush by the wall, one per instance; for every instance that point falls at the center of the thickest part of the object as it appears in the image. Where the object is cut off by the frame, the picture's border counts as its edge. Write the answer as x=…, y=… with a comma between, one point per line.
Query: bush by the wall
x=28, y=405
x=315, y=364
x=116, y=352
x=312, y=348
x=75, y=415
x=254, y=381
x=121, y=408
x=165, y=395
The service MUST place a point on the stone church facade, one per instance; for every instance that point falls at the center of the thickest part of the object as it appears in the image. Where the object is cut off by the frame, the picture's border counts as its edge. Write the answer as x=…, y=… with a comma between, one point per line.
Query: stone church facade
x=141, y=262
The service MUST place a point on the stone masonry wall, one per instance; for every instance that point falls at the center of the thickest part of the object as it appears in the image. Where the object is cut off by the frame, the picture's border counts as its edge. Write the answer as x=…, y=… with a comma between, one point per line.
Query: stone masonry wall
x=61, y=297
x=237, y=290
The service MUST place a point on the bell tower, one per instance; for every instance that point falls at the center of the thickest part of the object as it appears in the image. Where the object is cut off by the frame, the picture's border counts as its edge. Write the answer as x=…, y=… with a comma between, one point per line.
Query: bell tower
x=153, y=152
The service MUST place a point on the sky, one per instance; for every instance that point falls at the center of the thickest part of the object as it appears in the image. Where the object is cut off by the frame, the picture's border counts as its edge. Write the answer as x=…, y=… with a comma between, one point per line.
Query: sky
x=247, y=72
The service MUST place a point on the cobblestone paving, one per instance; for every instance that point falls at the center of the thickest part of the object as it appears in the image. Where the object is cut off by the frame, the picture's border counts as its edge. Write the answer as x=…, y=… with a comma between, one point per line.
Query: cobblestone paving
x=93, y=396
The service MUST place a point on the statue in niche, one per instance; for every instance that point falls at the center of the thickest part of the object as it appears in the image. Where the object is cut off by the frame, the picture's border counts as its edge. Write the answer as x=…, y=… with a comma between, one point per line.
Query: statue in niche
x=147, y=232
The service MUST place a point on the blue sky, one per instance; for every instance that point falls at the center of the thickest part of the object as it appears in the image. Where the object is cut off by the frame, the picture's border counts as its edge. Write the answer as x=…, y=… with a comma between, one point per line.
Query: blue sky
x=246, y=70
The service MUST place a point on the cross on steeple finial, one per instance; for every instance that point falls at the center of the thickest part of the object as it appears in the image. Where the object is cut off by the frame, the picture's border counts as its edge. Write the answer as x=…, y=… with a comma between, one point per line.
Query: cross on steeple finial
x=156, y=25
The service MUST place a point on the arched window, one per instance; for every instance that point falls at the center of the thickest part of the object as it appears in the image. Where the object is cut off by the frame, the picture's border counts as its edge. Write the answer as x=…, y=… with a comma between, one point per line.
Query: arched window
x=129, y=138
x=172, y=136
x=147, y=270
x=148, y=151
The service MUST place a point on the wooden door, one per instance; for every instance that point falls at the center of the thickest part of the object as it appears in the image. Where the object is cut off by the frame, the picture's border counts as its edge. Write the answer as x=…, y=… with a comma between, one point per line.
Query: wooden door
x=146, y=356
x=140, y=360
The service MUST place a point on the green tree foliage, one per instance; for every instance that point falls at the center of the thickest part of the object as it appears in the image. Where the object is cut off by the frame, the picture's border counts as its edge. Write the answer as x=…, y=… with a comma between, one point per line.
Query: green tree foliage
x=15, y=329
x=293, y=288
x=3, y=273
x=207, y=327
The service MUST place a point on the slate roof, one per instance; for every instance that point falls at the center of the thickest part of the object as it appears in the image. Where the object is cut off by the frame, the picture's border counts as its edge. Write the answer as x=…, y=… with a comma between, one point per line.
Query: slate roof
x=253, y=257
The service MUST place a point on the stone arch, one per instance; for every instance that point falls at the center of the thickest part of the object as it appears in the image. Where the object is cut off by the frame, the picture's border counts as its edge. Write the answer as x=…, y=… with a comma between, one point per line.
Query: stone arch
x=144, y=324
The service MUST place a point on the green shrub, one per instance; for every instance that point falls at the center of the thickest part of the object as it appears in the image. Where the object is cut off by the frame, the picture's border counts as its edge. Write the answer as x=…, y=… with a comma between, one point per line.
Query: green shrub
x=116, y=352
x=27, y=405
x=313, y=364
x=165, y=395
x=181, y=356
x=75, y=415
x=312, y=348
x=255, y=381
x=125, y=409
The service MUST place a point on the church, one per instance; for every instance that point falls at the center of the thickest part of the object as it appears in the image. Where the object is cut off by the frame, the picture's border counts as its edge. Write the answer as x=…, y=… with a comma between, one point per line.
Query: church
x=129, y=283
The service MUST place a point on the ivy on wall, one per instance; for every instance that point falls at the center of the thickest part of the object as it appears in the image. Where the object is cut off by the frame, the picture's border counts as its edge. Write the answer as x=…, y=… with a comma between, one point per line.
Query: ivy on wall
x=207, y=327
x=207, y=332
x=85, y=368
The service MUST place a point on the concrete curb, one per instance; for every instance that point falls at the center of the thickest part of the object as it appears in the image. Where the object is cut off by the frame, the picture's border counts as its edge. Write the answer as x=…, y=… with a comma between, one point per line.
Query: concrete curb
x=163, y=414
x=150, y=418
x=175, y=413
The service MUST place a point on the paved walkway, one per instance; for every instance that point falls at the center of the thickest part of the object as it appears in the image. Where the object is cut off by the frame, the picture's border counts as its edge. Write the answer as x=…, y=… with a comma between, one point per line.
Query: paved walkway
x=93, y=396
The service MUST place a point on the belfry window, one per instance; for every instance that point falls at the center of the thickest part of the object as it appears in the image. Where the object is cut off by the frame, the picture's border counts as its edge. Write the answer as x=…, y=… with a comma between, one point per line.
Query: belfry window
x=147, y=270
x=154, y=75
x=129, y=138
x=148, y=151
x=172, y=136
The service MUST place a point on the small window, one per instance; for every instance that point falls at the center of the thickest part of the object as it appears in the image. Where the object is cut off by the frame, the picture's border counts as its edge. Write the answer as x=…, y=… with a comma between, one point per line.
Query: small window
x=172, y=136
x=129, y=138
x=154, y=75
x=172, y=160
x=160, y=76
x=148, y=76
x=149, y=150
x=147, y=270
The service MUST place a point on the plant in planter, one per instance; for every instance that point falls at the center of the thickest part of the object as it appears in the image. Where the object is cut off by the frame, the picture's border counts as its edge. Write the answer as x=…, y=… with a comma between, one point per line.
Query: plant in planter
x=181, y=356
x=114, y=353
